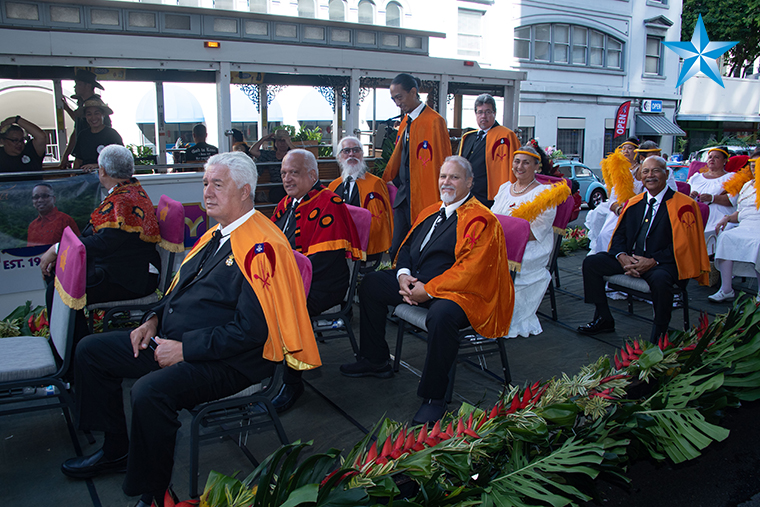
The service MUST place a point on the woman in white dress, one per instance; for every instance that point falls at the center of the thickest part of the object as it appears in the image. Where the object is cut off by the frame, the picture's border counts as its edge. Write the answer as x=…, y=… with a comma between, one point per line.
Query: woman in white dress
x=542, y=200
x=738, y=249
x=707, y=187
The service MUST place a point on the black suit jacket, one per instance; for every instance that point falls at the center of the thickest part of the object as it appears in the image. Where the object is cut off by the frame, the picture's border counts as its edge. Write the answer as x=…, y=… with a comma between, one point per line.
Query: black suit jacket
x=123, y=257
x=475, y=152
x=216, y=316
x=660, y=238
x=438, y=254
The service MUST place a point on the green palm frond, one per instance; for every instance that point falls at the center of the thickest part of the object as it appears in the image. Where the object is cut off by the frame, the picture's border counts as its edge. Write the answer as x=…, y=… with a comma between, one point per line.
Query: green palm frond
x=543, y=479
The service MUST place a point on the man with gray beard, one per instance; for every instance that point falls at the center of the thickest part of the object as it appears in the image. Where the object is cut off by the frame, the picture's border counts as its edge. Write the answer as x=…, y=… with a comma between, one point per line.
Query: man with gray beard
x=454, y=263
x=359, y=188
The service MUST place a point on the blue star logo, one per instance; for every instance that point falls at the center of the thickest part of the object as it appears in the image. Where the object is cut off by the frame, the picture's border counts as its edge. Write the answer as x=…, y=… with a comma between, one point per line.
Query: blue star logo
x=700, y=55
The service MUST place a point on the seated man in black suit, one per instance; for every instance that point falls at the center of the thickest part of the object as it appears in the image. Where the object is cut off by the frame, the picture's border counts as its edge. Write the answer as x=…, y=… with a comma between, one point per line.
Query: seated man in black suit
x=659, y=239
x=221, y=327
x=453, y=262
x=318, y=225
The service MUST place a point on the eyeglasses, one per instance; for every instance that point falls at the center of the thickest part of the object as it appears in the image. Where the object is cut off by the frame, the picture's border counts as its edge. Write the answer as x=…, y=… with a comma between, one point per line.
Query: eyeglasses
x=41, y=196
x=20, y=140
x=484, y=112
x=352, y=149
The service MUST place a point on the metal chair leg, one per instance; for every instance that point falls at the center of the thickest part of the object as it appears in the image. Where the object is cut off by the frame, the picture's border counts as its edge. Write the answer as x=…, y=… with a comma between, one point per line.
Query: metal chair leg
x=504, y=360
x=399, y=343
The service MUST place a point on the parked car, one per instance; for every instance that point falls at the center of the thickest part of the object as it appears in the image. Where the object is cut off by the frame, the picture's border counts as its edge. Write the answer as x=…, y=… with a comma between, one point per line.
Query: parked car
x=592, y=189
x=701, y=155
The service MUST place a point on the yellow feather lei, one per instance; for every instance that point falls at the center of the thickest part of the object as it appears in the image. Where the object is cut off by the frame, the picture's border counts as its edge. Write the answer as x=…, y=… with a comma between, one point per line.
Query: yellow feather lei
x=616, y=171
x=734, y=184
x=549, y=198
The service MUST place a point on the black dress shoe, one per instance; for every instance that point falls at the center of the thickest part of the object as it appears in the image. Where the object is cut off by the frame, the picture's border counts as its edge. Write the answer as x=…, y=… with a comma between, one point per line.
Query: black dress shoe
x=429, y=411
x=363, y=368
x=597, y=326
x=96, y=464
x=287, y=396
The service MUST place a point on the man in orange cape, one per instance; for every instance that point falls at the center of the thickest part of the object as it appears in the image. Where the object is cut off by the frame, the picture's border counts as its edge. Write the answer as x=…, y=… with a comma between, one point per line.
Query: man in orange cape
x=660, y=239
x=317, y=224
x=359, y=188
x=453, y=262
x=490, y=150
x=422, y=145
x=235, y=308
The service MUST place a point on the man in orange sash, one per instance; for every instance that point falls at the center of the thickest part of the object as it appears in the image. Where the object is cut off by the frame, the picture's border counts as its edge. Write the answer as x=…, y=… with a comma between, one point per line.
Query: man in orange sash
x=359, y=188
x=317, y=224
x=659, y=238
x=453, y=262
x=233, y=311
x=490, y=150
x=421, y=146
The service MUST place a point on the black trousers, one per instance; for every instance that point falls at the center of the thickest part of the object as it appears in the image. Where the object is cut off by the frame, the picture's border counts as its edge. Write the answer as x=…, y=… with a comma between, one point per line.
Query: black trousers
x=660, y=280
x=103, y=360
x=444, y=320
x=401, y=224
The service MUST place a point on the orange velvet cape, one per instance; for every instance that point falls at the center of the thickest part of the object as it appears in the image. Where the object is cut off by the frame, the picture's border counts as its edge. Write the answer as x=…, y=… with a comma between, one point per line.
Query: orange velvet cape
x=373, y=195
x=479, y=280
x=429, y=146
x=128, y=208
x=501, y=145
x=323, y=224
x=689, y=247
x=261, y=251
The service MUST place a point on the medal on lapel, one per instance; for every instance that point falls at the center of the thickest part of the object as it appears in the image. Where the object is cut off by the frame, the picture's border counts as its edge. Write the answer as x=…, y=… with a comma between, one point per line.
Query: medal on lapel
x=230, y=260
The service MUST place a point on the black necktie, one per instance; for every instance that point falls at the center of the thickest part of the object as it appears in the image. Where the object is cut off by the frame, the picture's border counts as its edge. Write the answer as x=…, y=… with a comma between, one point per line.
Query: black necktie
x=438, y=220
x=481, y=135
x=641, y=238
x=211, y=247
x=290, y=221
x=347, y=189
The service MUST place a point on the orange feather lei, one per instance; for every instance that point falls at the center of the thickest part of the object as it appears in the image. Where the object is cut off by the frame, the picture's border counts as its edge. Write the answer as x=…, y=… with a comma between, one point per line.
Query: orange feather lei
x=617, y=176
x=549, y=198
x=734, y=185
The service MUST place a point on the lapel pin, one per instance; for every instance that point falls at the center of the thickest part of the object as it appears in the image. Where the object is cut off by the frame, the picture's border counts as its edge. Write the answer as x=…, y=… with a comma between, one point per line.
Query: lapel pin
x=230, y=260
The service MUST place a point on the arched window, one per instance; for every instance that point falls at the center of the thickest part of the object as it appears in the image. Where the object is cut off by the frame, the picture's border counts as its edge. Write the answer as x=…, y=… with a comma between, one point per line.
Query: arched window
x=366, y=12
x=564, y=44
x=306, y=9
x=393, y=14
x=337, y=10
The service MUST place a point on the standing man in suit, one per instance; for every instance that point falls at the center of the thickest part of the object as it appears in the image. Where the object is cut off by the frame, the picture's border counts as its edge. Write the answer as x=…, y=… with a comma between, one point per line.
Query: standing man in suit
x=227, y=318
x=317, y=224
x=659, y=238
x=453, y=262
x=359, y=188
x=421, y=147
x=490, y=150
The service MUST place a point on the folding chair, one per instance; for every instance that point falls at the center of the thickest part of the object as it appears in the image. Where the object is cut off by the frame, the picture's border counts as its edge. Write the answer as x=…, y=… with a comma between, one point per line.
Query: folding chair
x=171, y=222
x=250, y=410
x=336, y=322
x=28, y=364
x=516, y=234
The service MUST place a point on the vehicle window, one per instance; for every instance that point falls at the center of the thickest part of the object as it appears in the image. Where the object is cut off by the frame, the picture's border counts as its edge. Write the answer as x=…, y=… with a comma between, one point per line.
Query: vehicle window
x=581, y=172
x=565, y=171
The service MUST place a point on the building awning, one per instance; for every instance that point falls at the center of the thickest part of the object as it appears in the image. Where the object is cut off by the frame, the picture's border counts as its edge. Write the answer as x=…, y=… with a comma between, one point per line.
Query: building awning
x=656, y=125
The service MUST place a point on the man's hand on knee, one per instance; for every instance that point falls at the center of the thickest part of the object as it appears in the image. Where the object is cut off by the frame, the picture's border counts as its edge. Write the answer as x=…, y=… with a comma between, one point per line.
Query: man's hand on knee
x=644, y=264
x=168, y=352
x=141, y=336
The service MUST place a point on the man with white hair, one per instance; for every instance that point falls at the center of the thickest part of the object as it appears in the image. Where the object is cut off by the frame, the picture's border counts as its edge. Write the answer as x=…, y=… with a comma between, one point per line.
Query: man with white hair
x=453, y=262
x=229, y=316
x=357, y=187
x=317, y=224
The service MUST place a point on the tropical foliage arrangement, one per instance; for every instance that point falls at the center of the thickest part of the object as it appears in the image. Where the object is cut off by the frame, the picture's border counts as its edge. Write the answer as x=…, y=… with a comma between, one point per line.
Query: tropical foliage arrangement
x=539, y=445
x=25, y=321
x=574, y=239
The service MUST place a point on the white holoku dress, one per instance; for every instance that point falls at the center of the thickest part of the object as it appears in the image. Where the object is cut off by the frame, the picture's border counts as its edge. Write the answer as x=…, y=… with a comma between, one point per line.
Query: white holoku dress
x=533, y=279
x=742, y=243
x=714, y=186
